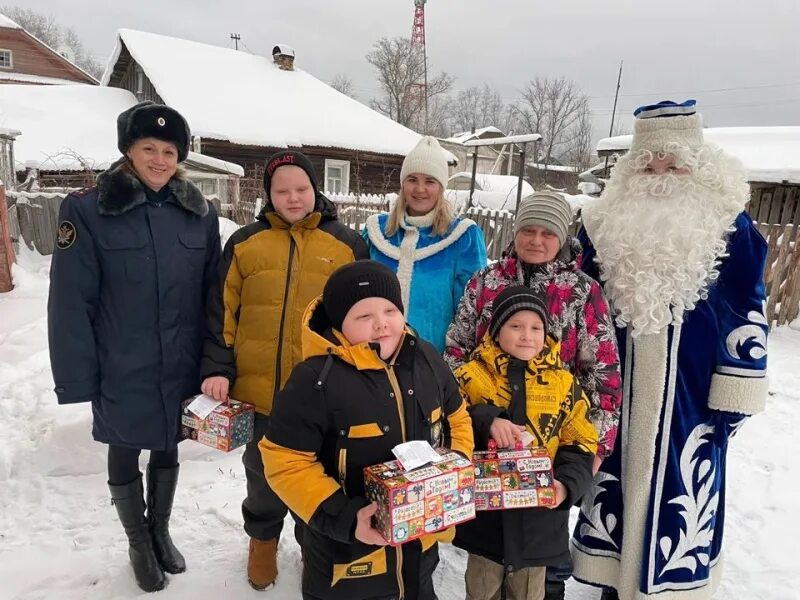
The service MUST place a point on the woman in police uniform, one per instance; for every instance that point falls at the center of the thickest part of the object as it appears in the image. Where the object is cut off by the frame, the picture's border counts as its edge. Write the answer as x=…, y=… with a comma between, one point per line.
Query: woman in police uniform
x=135, y=258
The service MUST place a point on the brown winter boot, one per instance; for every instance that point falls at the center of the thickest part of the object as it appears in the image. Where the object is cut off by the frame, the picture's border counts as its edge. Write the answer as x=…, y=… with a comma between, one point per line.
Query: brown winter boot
x=262, y=563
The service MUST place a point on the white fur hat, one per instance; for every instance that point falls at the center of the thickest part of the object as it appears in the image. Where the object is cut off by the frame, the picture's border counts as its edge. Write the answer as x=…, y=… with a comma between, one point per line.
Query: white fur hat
x=427, y=158
x=665, y=123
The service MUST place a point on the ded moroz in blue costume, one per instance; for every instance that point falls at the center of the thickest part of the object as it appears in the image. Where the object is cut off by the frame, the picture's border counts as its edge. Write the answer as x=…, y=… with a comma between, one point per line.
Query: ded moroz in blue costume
x=682, y=266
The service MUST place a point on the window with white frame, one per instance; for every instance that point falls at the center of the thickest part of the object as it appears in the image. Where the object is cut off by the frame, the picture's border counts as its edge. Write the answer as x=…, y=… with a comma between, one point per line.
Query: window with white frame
x=337, y=176
x=6, y=60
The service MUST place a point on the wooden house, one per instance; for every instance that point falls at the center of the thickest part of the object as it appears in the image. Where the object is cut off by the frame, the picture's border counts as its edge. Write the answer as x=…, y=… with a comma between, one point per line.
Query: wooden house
x=243, y=107
x=27, y=60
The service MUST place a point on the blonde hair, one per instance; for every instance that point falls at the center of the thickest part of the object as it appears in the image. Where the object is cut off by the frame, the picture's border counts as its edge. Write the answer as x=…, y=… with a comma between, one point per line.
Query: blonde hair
x=442, y=214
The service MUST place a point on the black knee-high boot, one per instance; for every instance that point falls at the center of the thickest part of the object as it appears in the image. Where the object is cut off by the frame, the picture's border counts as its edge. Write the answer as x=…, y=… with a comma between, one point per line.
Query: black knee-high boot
x=129, y=502
x=161, y=484
x=609, y=594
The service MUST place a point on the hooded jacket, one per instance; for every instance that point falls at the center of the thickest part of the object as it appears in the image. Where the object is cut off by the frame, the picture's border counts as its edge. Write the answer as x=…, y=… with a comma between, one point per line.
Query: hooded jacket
x=270, y=272
x=344, y=409
x=548, y=400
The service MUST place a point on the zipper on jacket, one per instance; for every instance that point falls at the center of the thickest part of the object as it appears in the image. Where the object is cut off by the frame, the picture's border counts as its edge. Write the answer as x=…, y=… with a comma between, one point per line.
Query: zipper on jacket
x=278, y=354
x=342, y=466
x=398, y=397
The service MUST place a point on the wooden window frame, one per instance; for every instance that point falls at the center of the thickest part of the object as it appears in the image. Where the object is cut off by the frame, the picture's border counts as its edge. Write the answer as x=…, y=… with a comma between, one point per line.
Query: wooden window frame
x=10, y=64
x=345, y=166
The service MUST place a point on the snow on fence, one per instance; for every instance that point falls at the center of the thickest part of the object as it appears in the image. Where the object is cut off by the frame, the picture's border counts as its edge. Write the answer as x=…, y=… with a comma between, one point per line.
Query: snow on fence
x=776, y=210
x=354, y=210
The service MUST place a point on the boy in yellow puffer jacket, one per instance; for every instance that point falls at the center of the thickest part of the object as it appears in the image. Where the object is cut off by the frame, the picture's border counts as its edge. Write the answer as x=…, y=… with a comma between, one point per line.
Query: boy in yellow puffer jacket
x=367, y=384
x=514, y=383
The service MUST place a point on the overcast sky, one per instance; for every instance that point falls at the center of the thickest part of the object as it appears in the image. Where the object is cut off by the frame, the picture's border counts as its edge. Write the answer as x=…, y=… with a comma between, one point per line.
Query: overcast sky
x=739, y=58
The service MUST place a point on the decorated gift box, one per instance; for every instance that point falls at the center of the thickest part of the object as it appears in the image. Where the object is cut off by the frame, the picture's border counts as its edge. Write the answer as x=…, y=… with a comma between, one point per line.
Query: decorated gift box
x=228, y=426
x=519, y=478
x=424, y=500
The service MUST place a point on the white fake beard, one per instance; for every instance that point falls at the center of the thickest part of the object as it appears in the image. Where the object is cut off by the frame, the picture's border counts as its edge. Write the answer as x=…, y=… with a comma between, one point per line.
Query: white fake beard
x=659, y=240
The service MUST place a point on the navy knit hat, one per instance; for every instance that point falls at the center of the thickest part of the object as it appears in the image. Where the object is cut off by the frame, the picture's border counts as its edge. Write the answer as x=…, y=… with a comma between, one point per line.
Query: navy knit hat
x=511, y=301
x=289, y=157
x=148, y=119
x=355, y=281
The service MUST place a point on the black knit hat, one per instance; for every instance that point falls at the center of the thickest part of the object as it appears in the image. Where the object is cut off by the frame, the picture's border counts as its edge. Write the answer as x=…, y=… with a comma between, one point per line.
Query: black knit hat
x=355, y=281
x=148, y=119
x=289, y=157
x=512, y=300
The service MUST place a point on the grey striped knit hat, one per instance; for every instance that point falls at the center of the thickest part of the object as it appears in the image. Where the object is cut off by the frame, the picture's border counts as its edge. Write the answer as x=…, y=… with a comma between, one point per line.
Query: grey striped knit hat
x=545, y=209
x=512, y=300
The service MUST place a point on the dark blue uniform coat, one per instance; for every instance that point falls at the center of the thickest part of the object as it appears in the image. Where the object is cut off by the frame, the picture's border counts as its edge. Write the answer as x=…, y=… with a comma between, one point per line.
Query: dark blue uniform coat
x=126, y=312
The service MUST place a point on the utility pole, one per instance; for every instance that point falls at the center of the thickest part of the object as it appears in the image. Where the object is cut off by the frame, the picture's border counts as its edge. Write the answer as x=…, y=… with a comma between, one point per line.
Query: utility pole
x=613, y=114
x=616, y=97
x=236, y=37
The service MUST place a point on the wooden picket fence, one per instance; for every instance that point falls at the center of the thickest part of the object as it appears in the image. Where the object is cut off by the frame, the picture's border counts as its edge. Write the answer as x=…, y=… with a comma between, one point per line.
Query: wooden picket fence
x=776, y=210
x=34, y=218
x=354, y=210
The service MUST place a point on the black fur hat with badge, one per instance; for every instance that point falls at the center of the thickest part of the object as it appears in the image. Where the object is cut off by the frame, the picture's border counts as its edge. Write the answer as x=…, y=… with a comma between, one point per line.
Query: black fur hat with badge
x=148, y=119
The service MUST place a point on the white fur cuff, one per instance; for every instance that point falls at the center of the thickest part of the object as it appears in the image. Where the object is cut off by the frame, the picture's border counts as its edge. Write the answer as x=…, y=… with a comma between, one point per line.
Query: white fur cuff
x=746, y=395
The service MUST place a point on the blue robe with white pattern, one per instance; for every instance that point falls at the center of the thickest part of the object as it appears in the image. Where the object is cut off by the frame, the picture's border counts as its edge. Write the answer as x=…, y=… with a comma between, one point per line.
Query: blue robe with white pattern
x=653, y=522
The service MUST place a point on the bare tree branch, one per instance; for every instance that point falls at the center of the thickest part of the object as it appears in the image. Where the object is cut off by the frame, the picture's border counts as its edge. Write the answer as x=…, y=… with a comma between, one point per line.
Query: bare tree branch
x=399, y=66
x=553, y=108
x=478, y=107
x=342, y=83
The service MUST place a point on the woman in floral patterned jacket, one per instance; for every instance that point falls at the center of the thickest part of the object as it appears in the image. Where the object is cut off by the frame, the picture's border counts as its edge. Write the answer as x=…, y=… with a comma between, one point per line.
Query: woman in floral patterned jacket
x=544, y=258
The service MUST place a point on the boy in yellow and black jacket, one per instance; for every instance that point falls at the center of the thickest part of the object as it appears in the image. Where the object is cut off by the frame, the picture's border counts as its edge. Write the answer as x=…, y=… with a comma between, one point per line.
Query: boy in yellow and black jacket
x=514, y=383
x=367, y=384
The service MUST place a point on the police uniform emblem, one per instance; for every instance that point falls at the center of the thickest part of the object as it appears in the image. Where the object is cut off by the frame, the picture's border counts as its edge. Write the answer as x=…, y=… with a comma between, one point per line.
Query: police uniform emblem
x=162, y=121
x=66, y=235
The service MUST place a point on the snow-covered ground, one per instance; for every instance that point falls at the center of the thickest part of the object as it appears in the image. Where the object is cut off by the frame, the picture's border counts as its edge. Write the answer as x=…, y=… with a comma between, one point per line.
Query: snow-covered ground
x=59, y=537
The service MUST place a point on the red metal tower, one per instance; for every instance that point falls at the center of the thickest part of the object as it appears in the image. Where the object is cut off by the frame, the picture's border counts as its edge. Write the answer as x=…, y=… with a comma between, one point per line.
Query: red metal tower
x=419, y=89
x=418, y=30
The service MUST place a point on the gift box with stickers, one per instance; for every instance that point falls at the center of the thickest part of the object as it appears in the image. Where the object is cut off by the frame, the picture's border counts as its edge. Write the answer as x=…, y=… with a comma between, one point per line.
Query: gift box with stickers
x=519, y=478
x=226, y=427
x=415, y=502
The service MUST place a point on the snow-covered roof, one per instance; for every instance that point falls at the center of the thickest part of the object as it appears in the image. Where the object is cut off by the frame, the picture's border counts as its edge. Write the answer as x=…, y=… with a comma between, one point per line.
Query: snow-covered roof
x=465, y=136
x=560, y=168
x=769, y=154
x=504, y=184
x=8, y=132
x=71, y=127
x=246, y=99
x=26, y=78
x=8, y=23
x=213, y=164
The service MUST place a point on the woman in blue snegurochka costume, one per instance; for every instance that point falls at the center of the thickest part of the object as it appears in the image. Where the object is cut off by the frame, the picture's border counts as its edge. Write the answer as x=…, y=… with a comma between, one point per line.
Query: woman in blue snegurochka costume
x=433, y=253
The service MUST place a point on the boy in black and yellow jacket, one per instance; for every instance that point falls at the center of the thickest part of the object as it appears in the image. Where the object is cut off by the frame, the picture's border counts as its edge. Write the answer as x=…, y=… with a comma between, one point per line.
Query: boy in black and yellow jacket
x=367, y=384
x=515, y=383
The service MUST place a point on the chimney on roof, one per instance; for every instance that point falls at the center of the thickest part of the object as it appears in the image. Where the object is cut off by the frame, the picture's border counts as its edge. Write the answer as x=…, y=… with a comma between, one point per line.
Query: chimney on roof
x=283, y=56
